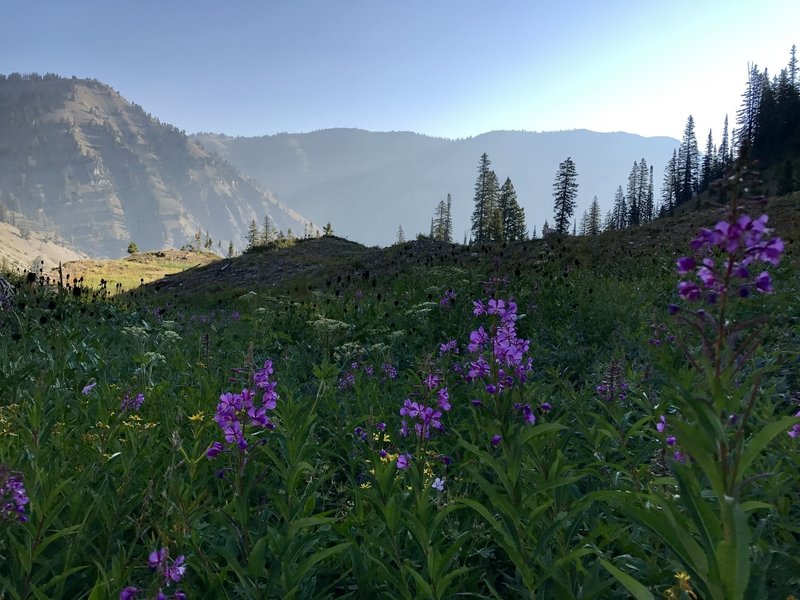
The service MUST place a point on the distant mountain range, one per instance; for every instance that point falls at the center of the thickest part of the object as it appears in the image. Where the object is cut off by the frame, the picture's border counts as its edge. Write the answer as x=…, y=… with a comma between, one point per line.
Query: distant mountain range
x=367, y=184
x=84, y=167
x=94, y=171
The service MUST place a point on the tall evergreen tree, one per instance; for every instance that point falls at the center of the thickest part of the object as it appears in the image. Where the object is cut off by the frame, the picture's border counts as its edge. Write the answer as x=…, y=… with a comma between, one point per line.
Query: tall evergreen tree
x=513, y=215
x=447, y=224
x=565, y=192
x=268, y=234
x=252, y=235
x=724, y=158
x=486, y=192
x=707, y=165
x=620, y=210
x=494, y=232
x=634, y=195
x=230, y=249
x=747, y=116
x=593, y=223
x=584, y=227
x=688, y=163
x=649, y=206
x=671, y=185
x=401, y=236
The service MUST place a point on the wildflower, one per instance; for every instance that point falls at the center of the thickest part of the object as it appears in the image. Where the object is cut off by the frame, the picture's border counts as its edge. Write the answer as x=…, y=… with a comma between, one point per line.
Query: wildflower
x=158, y=560
x=545, y=406
x=496, y=439
x=128, y=592
x=198, y=416
x=661, y=425
x=13, y=496
x=449, y=346
x=403, y=461
x=438, y=484
x=214, y=449
x=129, y=404
x=87, y=389
x=389, y=370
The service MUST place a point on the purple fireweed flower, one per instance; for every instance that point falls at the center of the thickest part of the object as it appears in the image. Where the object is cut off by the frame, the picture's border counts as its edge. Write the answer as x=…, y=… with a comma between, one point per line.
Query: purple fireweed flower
x=432, y=381
x=740, y=244
x=688, y=290
x=403, y=461
x=157, y=558
x=13, y=496
x=381, y=426
x=128, y=592
x=661, y=425
x=478, y=308
x=444, y=399
x=496, y=439
x=448, y=298
x=176, y=570
x=685, y=265
x=87, y=389
x=545, y=406
x=670, y=440
x=450, y=346
x=360, y=433
x=389, y=370
x=214, y=449
x=129, y=404
x=438, y=484
x=764, y=283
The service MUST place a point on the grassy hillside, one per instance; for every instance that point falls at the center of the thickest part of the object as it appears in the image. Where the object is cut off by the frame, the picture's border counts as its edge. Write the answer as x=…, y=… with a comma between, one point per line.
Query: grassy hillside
x=547, y=419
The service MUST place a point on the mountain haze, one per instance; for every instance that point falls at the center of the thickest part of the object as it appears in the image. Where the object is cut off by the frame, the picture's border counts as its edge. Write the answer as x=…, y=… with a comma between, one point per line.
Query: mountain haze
x=369, y=183
x=78, y=159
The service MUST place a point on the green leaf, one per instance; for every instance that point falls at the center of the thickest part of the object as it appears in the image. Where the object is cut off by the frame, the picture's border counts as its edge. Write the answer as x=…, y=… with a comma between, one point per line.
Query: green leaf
x=637, y=590
x=257, y=561
x=733, y=555
x=760, y=440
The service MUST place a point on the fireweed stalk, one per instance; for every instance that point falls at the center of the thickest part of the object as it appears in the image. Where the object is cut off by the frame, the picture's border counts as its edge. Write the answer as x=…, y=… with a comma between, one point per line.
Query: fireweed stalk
x=422, y=416
x=727, y=267
x=713, y=401
x=243, y=413
x=499, y=361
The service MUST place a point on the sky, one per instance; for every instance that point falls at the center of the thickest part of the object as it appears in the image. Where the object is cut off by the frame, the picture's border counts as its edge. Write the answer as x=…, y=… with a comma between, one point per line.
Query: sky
x=448, y=68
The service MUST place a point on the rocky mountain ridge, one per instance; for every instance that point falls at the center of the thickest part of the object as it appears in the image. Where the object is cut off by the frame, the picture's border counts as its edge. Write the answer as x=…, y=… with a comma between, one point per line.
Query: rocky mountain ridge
x=79, y=159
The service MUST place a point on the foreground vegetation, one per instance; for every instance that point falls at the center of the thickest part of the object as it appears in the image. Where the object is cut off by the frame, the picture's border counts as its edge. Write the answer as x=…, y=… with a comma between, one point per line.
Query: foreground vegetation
x=557, y=429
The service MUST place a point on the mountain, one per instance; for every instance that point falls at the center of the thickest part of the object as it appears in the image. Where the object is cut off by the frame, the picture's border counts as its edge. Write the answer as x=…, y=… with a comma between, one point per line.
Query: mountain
x=30, y=250
x=366, y=184
x=78, y=159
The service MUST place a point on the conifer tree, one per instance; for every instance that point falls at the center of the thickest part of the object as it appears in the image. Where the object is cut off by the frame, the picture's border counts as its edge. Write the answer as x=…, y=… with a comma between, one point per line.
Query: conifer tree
x=688, y=163
x=230, y=249
x=593, y=222
x=401, y=237
x=486, y=192
x=620, y=210
x=268, y=234
x=565, y=192
x=512, y=214
x=447, y=224
x=670, y=186
x=634, y=195
x=584, y=228
x=724, y=158
x=252, y=235
x=707, y=166
x=747, y=116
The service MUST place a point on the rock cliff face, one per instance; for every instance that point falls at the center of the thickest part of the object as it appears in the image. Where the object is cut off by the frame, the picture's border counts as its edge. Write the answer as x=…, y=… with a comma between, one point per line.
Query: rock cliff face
x=79, y=160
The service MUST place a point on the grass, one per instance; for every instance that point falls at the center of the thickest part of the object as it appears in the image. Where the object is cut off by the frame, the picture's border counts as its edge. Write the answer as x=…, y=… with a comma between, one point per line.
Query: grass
x=573, y=505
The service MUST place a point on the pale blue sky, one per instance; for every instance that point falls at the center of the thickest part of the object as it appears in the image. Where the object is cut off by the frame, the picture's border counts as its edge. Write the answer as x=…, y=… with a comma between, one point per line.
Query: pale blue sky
x=452, y=68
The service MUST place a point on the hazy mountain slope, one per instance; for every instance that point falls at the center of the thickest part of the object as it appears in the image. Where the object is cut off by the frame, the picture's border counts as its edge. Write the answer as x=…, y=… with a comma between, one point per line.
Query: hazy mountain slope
x=366, y=184
x=78, y=158
x=25, y=250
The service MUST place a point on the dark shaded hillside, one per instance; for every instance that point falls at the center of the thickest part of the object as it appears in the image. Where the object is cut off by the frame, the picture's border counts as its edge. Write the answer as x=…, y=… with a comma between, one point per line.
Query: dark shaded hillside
x=78, y=159
x=331, y=263
x=369, y=183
